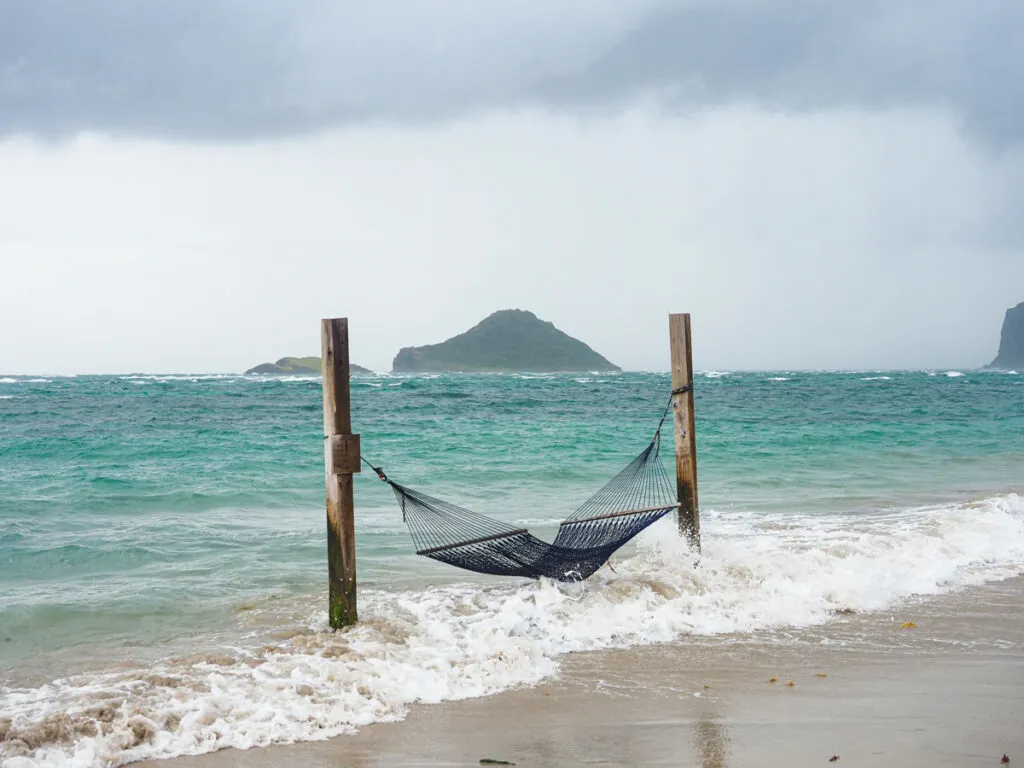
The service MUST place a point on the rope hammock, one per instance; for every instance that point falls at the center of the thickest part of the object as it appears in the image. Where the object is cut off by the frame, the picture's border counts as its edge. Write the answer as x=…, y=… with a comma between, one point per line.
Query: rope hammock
x=638, y=496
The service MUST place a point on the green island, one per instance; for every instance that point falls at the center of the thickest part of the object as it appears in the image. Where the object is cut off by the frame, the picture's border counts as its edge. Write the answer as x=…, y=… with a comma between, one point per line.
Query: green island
x=301, y=365
x=509, y=340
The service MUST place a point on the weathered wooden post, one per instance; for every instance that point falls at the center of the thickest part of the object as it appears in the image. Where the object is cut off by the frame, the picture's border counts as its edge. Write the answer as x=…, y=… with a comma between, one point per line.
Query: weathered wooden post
x=341, y=460
x=685, y=437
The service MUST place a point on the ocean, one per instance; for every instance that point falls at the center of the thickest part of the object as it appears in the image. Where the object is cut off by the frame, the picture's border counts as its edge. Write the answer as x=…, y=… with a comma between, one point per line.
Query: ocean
x=163, y=558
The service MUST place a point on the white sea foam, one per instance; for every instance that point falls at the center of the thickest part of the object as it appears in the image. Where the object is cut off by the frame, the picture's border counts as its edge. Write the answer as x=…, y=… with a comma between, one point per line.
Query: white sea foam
x=779, y=378
x=190, y=377
x=713, y=374
x=954, y=374
x=6, y=397
x=757, y=572
x=8, y=380
x=877, y=378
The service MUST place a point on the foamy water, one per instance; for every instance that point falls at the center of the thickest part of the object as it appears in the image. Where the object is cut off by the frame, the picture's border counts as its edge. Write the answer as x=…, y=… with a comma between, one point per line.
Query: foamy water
x=187, y=377
x=287, y=678
x=162, y=538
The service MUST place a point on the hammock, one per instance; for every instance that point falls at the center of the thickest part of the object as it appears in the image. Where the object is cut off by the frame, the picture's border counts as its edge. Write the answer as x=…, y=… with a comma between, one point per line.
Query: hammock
x=639, y=495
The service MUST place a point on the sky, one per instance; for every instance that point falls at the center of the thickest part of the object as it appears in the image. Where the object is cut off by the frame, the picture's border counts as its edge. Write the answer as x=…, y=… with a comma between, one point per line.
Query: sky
x=189, y=186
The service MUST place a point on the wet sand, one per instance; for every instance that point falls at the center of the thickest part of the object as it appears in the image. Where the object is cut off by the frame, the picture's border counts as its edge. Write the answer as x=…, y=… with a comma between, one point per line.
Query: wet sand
x=946, y=692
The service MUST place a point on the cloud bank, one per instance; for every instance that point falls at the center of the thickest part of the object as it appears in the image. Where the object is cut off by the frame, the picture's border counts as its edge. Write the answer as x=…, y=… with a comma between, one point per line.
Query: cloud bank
x=254, y=69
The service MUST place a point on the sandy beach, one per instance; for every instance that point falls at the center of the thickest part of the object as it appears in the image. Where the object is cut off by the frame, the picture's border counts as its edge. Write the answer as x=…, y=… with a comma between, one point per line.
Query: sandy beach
x=947, y=691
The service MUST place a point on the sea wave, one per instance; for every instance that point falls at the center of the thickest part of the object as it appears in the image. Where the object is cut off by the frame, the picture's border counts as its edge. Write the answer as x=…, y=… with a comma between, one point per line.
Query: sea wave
x=189, y=377
x=302, y=682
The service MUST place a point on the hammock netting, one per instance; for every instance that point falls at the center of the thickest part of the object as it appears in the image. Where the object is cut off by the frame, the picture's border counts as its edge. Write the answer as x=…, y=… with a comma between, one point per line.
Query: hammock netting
x=635, y=498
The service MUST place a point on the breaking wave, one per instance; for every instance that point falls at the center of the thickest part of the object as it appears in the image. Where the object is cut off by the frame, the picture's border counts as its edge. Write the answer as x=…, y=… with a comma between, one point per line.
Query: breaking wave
x=298, y=681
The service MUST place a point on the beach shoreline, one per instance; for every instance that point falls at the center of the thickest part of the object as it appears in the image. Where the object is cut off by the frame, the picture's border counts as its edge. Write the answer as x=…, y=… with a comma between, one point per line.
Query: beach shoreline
x=179, y=608
x=947, y=691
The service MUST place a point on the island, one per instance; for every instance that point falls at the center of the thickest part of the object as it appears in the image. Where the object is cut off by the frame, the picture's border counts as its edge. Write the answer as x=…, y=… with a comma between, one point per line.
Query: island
x=509, y=340
x=300, y=365
x=1011, y=342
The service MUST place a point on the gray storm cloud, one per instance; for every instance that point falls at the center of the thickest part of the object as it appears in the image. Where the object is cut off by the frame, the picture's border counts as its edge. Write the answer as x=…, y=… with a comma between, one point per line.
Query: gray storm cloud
x=195, y=69
x=194, y=183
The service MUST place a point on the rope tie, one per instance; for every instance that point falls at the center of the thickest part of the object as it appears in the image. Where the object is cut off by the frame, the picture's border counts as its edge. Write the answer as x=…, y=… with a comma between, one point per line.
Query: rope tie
x=679, y=391
x=379, y=470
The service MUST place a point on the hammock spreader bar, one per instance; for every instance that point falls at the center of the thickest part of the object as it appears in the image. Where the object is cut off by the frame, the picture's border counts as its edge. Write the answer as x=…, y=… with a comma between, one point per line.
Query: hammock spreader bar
x=615, y=514
x=481, y=540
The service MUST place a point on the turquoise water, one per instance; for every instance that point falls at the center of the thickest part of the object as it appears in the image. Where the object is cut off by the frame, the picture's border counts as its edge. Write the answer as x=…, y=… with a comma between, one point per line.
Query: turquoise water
x=141, y=515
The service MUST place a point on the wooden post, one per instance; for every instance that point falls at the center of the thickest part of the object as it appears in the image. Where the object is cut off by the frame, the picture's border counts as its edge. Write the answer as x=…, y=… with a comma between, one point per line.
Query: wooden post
x=685, y=437
x=341, y=460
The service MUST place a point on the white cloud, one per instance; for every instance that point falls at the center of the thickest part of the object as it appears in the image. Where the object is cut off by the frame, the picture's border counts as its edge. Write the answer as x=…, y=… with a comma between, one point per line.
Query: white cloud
x=839, y=239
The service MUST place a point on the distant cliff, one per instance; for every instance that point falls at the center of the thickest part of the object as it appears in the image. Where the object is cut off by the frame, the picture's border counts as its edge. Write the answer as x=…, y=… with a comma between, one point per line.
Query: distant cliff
x=1011, y=343
x=302, y=365
x=509, y=340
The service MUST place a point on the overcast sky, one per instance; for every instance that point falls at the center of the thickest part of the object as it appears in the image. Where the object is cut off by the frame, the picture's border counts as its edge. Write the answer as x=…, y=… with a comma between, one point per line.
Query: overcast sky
x=189, y=185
